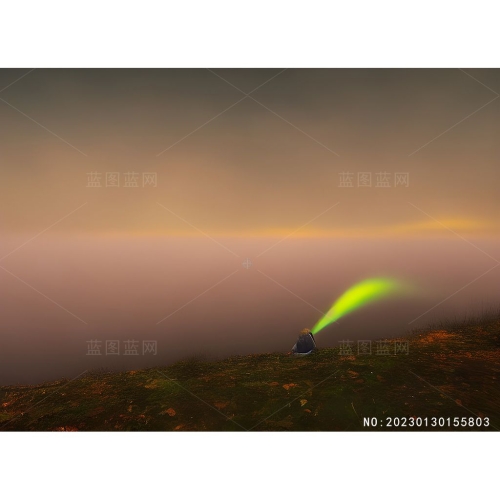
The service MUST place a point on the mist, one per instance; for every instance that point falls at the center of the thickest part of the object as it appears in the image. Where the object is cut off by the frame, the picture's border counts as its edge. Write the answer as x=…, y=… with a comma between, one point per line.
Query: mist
x=203, y=298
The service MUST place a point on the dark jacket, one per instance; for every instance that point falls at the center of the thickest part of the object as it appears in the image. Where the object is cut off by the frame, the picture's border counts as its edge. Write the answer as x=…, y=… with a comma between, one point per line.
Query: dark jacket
x=305, y=344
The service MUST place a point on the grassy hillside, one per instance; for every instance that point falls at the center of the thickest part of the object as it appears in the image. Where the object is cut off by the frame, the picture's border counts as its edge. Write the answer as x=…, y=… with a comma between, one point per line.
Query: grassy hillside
x=451, y=372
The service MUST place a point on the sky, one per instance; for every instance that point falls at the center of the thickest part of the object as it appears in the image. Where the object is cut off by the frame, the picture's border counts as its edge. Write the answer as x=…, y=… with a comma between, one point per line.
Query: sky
x=231, y=165
x=132, y=199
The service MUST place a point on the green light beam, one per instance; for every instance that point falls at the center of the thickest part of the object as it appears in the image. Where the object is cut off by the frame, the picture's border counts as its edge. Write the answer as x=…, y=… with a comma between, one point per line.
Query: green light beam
x=362, y=293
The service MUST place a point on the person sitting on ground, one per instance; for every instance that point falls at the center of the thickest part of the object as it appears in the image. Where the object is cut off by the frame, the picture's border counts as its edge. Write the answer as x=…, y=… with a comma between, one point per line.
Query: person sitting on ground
x=305, y=343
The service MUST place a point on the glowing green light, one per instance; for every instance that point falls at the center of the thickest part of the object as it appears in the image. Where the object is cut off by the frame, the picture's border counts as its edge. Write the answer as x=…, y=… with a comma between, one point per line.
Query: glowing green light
x=358, y=295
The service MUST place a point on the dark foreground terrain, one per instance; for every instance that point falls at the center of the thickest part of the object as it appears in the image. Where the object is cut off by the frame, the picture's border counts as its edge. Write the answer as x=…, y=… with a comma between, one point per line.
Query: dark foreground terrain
x=452, y=372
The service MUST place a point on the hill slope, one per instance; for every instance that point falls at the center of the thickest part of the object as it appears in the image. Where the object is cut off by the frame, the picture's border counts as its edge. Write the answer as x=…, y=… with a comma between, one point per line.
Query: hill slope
x=447, y=373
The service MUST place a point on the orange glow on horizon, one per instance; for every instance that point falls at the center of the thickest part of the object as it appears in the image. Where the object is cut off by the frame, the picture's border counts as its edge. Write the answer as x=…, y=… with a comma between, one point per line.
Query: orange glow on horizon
x=423, y=228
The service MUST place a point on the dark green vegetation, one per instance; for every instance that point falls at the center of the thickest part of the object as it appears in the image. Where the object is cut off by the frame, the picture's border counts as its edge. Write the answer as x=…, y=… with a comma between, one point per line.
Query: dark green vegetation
x=448, y=373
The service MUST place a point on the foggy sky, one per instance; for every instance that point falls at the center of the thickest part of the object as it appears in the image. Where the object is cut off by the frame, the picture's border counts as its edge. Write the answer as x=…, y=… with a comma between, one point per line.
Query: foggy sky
x=236, y=180
x=256, y=169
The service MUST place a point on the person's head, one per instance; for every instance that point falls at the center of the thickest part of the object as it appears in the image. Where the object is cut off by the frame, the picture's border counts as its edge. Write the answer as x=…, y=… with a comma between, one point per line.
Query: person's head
x=305, y=331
